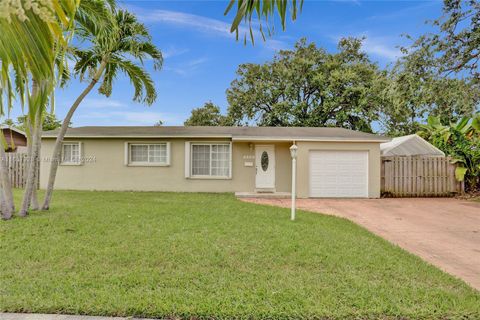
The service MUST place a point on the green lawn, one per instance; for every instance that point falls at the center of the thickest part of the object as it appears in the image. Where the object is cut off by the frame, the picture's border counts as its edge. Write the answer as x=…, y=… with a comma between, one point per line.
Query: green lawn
x=212, y=256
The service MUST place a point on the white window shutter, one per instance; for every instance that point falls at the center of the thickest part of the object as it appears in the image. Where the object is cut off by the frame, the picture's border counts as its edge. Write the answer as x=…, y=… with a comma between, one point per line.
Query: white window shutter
x=80, y=153
x=168, y=153
x=231, y=168
x=187, y=159
x=126, y=154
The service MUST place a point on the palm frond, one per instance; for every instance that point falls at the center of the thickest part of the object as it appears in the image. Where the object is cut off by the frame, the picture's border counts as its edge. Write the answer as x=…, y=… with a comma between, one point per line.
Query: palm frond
x=107, y=82
x=265, y=11
x=29, y=44
x=125, y=45
x=144, y=88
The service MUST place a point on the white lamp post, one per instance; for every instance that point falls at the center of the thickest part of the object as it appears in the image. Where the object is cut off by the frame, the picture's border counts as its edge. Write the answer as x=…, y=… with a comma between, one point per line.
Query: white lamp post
x=293, y=153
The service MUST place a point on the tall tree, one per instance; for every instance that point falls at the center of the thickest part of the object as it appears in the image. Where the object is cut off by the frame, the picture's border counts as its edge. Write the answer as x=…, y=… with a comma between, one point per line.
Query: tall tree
x=49, y=122
x=413, y=90
x=123, y=46
x=34, y=34
x=208, y=115
x=456, y=42
x=308, y=86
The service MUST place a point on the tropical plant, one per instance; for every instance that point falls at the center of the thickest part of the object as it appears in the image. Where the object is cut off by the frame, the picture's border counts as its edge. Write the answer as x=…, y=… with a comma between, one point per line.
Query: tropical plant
x=34, y=35
x=106, y=53
x=263, y=10
x=461, y=141
x=33, y=42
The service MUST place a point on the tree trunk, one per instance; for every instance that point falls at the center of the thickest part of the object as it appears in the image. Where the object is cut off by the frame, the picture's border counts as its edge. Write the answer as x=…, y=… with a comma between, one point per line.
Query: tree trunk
x=34, y=200
x=2, y=201
x=57, y=149
x=32, y=159
x=8, y=206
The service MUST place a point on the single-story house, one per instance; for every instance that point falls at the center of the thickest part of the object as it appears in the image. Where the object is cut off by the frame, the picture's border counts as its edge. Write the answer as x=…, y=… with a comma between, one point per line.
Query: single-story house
x=411, y=145
x=15, y=139
x=331, y=162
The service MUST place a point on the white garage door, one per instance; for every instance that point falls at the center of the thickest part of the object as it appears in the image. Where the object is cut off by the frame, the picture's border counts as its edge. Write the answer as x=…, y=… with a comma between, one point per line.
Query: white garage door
x=335, y=174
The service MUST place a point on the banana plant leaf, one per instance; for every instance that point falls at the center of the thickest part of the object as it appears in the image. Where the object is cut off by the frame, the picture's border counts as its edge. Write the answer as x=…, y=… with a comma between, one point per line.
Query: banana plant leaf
x=476, y=122
x=460, y=173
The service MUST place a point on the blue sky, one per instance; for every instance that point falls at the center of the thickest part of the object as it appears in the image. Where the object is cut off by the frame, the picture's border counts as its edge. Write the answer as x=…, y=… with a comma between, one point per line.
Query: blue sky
x=201, y=56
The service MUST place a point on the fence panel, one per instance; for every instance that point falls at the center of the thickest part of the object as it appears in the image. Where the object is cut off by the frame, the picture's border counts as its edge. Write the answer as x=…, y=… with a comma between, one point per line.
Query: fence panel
x=17, y=169
x=419, y=177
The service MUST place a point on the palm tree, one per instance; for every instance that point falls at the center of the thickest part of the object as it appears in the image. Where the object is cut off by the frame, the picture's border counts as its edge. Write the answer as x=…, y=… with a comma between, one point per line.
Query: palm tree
x=31, y=38
x=33, y=43
x=109, y=53
x=264, y=10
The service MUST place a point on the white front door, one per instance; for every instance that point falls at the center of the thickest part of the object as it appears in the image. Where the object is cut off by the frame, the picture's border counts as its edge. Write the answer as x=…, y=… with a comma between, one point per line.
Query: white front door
x=265, y=167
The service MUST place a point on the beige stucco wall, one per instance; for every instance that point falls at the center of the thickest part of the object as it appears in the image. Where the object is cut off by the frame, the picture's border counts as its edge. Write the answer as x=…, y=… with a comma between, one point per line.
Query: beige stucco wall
x=109, y=172
x=373, y=163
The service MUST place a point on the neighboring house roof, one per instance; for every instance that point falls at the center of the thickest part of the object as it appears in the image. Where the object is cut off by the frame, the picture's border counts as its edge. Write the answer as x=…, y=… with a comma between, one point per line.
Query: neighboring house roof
x=411, y=145
x=13, y=129
x=235, y=133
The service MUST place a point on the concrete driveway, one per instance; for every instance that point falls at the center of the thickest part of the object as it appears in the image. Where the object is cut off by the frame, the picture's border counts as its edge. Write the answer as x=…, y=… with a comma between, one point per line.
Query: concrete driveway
x=443, y=231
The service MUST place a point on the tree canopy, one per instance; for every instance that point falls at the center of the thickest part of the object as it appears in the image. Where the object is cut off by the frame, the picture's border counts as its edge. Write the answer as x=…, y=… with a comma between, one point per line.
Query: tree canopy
x=308, y=86
x=454, y=47
x=208, y=115
x=49, y=122
x=413, y=91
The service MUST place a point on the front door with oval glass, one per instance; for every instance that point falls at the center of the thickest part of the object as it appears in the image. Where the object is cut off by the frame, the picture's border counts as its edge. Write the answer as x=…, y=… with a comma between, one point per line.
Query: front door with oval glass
x=265, y=167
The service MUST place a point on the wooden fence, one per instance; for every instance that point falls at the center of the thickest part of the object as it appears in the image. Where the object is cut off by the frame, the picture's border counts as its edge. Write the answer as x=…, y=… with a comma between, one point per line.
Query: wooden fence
x=17, y=169
x=425, y=176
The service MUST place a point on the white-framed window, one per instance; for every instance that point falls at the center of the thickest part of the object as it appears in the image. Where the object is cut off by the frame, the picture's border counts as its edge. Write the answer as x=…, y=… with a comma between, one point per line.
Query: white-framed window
x=148, y=154
x=71, y=153
x=210, y=160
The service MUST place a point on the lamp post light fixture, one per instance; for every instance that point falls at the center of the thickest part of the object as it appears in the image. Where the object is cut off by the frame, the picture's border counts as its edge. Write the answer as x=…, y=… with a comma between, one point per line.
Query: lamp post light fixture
x=293, y=153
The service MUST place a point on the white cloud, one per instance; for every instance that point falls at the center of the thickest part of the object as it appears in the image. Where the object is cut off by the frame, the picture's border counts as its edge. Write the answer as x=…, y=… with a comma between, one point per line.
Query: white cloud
x=273, y=44
x=381, y=47
x=355, y=2
x=188, y=20
x=186, y=68
x=412, y=10
x=196, y=62
x=205, y=25
x=129, y=118
x=173, y=51
x=98, y=103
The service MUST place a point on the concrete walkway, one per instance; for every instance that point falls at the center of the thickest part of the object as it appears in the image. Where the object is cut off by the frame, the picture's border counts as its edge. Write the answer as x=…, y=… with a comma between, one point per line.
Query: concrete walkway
x=443, y=231
x=34, y=316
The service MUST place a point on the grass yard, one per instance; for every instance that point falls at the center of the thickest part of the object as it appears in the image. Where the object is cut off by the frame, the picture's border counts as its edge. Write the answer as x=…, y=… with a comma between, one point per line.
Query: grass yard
x=212, y=256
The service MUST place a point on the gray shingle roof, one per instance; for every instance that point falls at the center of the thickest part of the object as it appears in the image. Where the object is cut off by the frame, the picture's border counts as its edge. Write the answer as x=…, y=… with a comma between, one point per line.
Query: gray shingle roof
x=235, y=133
